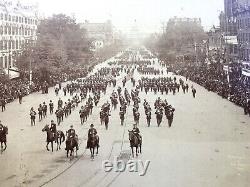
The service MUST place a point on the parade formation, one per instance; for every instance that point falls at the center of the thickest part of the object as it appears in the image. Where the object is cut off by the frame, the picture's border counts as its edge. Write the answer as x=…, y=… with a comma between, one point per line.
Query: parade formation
x=126, y=93
x=133, y=88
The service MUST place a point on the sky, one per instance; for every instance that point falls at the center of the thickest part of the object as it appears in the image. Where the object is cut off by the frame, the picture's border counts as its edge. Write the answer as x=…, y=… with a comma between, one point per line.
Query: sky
x=149, y=14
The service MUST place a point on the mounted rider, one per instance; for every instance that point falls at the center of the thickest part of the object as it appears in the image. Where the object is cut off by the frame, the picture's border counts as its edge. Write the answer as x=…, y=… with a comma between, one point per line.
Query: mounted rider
x=72, y=135
x=53, y=129
x=60, y=103
x=92, y=131
x=136, y=132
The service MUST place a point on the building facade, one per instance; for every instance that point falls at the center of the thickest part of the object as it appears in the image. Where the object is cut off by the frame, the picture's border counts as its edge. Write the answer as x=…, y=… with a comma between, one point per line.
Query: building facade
x=230, y=17
x=228, y=25
x=18, y=26
x=215, y=39
x=101, y=34
x=243, y=29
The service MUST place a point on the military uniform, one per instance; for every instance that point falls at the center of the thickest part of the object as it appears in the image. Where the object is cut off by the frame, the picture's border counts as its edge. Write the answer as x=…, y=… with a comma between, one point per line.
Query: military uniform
x=92, y=131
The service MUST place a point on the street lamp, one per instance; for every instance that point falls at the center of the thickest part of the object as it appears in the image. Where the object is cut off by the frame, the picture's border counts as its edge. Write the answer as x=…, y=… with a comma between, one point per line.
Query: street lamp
x=31, y=41
x=30, y=72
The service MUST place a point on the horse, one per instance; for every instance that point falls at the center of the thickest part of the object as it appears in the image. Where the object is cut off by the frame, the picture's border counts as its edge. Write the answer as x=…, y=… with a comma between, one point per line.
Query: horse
x=58, y=138
x=170, y=116
x=159, y=116
x=93, y=143
x=71, y=143
x=135, y=142
x=106, y=119
x=148, y=116
x=82, y=116
x=3, y=138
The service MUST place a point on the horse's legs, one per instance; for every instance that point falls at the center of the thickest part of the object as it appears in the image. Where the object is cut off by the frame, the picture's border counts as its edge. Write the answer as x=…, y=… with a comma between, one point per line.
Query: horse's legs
x=132, y=151
x=92, y=152
x=5, y=146
x=60, y=143
x=136, y=148
x=57, y=144
x=47, y=146
x=52, y=145
x=67, y=153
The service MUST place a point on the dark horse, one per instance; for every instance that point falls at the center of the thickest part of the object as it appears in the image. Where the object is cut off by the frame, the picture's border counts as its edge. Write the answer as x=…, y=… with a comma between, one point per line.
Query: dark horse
x=71, y=144
x=159, y=116
x=58, y=138
x=134, y=142
x=93, y=143
x=3, y=138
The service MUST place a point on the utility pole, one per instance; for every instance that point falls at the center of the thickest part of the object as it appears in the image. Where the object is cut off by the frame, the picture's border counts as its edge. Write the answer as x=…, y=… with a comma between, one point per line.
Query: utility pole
x=9, y=58
x=30, y=63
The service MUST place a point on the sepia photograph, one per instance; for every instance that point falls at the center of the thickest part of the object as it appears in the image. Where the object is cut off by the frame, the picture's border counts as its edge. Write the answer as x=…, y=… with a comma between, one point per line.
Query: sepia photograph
x=125, y=93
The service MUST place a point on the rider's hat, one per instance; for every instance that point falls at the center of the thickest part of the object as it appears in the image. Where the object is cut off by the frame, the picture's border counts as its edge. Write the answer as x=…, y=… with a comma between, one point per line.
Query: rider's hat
x=52, y=121
x=71, y=126
x=92, y=125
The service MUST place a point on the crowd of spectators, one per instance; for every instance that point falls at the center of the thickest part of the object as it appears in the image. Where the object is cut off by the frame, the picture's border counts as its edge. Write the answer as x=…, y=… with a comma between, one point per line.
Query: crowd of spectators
x=229, y=84
x=11, y=89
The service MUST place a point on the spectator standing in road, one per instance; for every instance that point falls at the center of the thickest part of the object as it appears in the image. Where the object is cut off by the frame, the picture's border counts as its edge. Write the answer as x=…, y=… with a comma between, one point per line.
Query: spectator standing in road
x=51, y=107
x=40, y=112
x=3, y=103
x=33, y=116
x=44, y=109
x=20, y=97
x=194, y=92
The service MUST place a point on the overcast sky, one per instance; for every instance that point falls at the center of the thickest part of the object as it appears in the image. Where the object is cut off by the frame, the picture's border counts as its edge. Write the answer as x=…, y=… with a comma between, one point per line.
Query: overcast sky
x=149, y=14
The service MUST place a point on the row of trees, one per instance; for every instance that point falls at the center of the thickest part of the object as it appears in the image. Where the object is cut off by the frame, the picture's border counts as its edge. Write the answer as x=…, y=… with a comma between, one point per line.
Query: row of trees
x=179, y=38
x=60, y=44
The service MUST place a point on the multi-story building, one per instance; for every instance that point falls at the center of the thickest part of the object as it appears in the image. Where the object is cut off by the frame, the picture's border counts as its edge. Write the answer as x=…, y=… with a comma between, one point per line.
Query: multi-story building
x=101, y=34
x=243, y=28
x=18, y=26
x=230, y=17
x=215, y=39
x=228, y=25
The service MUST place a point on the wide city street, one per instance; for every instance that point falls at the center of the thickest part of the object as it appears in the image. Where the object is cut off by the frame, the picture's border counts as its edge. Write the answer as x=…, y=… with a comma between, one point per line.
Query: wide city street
x=207, y=145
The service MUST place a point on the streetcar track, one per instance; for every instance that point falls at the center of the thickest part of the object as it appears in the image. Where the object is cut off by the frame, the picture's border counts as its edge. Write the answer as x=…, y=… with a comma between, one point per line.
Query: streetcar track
x=108, y=158
x=114, y=178
x=78, y=158
x=67, y=168
x=98, y=170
